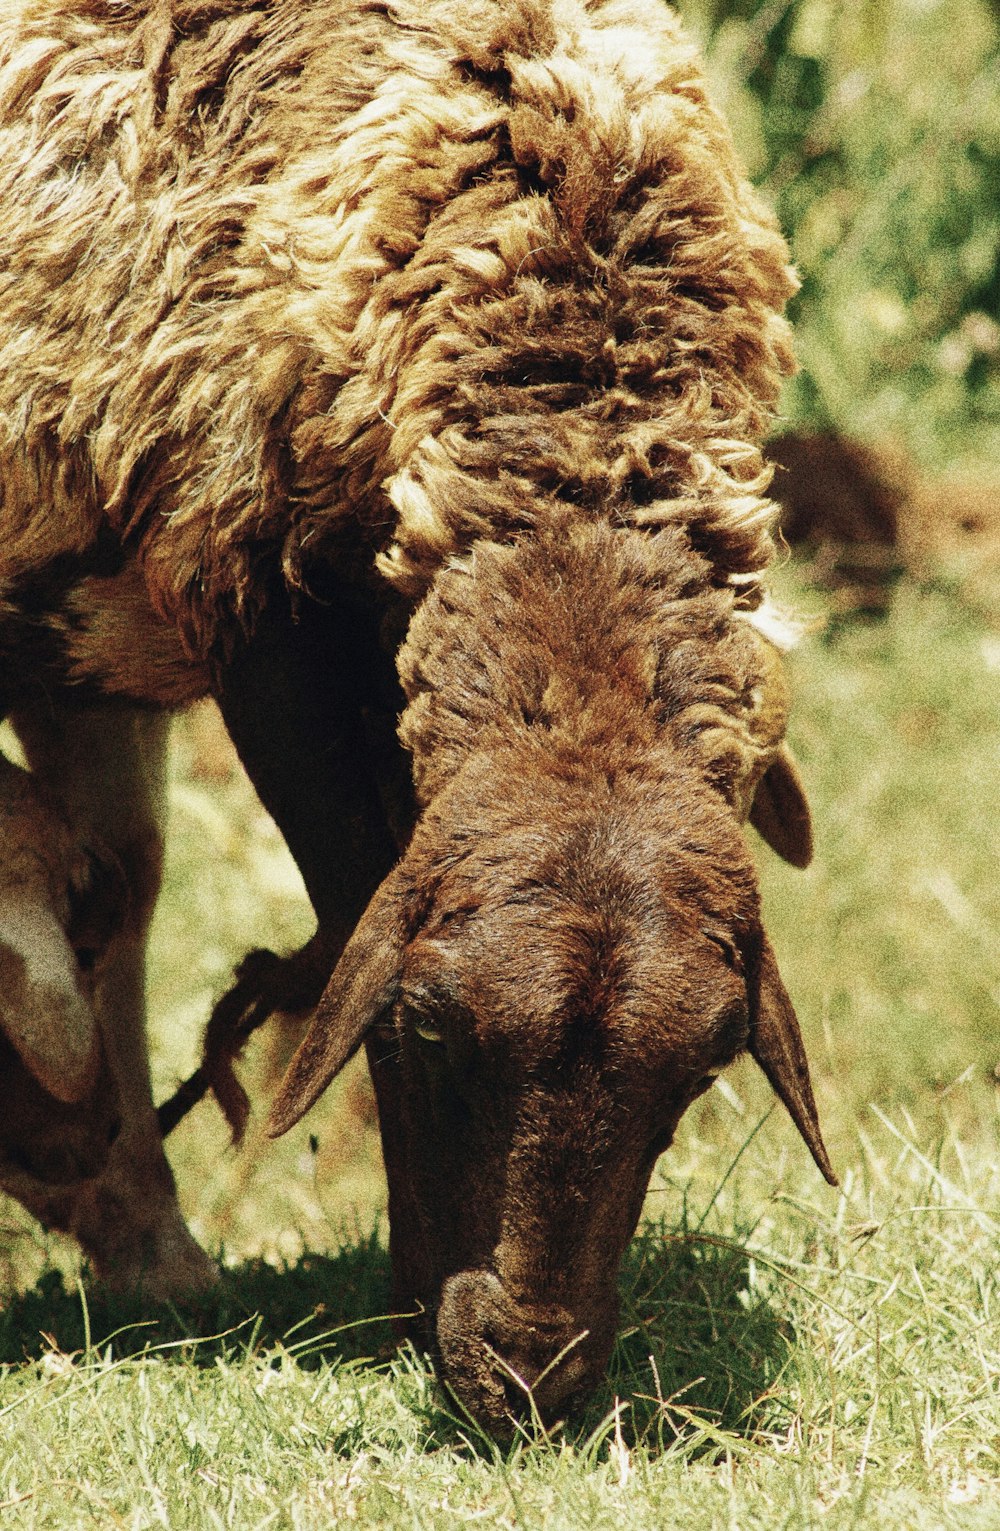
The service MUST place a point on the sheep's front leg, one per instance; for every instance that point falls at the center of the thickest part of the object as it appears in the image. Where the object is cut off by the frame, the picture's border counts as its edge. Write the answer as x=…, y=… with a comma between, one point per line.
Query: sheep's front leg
x=107, y=765
x=310, y=700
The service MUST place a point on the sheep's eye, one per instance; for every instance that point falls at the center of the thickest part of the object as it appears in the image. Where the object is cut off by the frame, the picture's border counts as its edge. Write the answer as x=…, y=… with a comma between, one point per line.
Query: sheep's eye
x=728, y=949
x=416, y=1011
x=426, y=1030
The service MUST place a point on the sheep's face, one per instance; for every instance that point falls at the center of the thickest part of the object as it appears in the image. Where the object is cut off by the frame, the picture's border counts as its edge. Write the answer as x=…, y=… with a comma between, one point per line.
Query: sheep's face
x=574, y=965
x=539, y=1056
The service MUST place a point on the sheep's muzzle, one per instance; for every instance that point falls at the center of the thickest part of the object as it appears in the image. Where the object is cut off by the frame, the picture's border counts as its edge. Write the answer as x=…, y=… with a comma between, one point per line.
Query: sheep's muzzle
x=504, y=1359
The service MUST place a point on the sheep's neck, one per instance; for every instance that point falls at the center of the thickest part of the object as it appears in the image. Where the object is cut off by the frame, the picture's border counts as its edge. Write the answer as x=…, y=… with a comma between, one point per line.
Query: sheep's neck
x=588, y=643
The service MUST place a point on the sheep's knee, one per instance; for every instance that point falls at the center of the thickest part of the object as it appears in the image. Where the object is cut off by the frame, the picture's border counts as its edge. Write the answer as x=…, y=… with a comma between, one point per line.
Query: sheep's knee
x=107, y=765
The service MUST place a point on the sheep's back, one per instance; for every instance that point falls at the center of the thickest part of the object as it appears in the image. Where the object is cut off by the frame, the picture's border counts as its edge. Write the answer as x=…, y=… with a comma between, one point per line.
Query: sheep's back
x=280, y=273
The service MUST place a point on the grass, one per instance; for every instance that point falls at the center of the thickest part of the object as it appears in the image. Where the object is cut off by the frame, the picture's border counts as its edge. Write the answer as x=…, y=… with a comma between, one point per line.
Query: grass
x=788, y=1355
x=873, y=128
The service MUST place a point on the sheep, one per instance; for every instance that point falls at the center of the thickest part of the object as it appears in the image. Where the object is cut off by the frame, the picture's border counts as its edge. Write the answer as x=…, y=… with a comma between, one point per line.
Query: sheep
x=845, y=502
x=867, y=514
x=408, y=361
x=57, y=911
x=80, y=1147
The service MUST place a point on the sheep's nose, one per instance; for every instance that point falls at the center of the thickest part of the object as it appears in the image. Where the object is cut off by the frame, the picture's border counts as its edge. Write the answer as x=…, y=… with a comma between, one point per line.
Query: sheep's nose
x=504, y=1359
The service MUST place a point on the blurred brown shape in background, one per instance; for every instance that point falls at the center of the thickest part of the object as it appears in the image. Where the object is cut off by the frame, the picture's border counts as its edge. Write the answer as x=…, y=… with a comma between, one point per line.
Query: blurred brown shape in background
x=865, y=515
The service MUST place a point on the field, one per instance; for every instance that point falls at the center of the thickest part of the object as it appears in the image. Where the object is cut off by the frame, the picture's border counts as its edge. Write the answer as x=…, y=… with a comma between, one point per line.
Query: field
x=788, y=1353
x=790, y=1356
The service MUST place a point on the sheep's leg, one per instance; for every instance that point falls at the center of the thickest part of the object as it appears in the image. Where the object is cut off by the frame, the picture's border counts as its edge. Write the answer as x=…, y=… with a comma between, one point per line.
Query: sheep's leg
x=305, y=700
x=107, y=764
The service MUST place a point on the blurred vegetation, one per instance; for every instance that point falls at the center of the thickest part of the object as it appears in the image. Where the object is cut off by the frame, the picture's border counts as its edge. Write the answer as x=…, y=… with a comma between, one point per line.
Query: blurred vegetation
x=874, y=128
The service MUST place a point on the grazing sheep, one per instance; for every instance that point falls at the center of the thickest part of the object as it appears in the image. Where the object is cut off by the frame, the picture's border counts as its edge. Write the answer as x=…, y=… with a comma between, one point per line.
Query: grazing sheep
x=80, y=1146
x=865, y=513
x=57, y=912
x=843, y=501
x=326, y=325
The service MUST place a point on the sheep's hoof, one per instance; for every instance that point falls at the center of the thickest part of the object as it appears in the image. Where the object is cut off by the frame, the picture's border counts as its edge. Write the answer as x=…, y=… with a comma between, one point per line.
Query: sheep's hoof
x=174, y=1269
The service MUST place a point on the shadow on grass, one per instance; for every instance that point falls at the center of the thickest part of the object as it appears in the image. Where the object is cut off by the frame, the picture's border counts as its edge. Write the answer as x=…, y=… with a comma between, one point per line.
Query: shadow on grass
x=696, y=1357
x=698, y=1352
x=320, y=1307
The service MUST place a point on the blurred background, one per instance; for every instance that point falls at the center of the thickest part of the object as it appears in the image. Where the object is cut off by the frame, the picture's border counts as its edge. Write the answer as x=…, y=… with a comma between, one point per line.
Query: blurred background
x=874, y=128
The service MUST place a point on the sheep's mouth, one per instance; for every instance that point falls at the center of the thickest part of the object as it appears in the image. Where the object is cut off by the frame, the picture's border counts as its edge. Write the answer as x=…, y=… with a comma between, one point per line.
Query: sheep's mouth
x=502, y=1400
x=508, y=1366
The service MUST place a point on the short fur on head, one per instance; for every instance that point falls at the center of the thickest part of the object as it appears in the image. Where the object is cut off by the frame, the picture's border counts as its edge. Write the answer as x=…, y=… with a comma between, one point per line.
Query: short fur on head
x=571, y=947
x=472, y=293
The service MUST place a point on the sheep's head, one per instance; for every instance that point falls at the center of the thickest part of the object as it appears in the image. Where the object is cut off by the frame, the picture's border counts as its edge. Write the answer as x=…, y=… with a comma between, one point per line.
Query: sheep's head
x=561, y=963
x=59, y=905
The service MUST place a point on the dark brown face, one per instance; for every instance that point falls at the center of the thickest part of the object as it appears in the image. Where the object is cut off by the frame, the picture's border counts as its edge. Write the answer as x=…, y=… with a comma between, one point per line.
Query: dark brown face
x=536, y=1062
x=586, y=963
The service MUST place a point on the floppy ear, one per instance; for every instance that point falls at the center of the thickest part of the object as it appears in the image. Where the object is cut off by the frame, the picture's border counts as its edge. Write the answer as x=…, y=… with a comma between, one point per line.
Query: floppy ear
x=361, y=988
x=780, y=810
x=776, y=1043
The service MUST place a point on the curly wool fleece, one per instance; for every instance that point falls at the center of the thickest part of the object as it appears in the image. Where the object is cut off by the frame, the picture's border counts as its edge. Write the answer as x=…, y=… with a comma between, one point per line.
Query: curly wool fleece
x=415, y=272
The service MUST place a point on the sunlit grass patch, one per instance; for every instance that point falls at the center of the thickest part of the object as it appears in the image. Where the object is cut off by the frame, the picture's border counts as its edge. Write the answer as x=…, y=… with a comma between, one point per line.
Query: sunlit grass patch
x=799, y=1369
x=788, y=1355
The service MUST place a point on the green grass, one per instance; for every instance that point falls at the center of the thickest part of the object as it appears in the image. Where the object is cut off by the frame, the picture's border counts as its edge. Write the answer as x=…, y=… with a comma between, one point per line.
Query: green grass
x=789, y=1356
x=874, y=128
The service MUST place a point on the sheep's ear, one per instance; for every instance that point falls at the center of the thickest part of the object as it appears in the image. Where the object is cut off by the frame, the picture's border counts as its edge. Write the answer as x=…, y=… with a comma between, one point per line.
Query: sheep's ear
x=776, y=1043
x=362, y=987
x=43, y=1011
x=780, y=810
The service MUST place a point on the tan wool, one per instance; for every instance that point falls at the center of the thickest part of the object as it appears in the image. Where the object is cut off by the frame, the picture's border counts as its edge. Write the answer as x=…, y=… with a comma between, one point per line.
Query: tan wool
x=412, y=273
